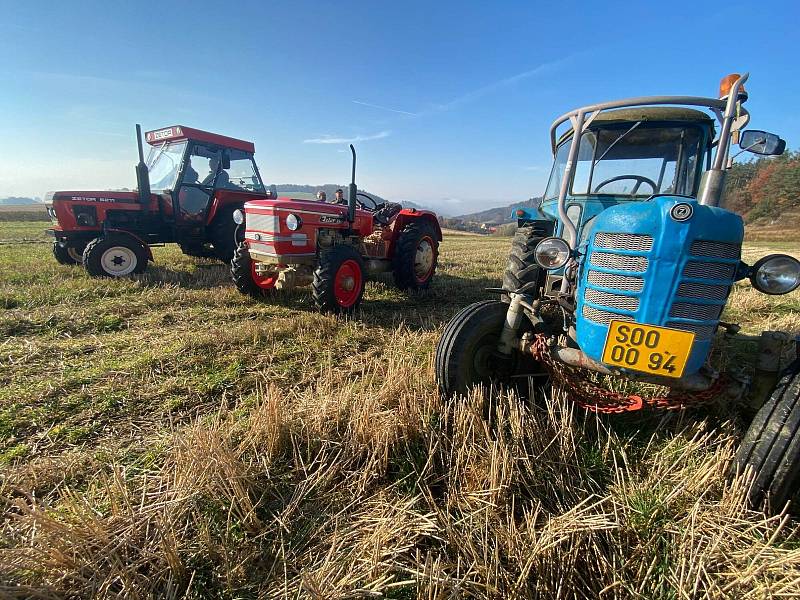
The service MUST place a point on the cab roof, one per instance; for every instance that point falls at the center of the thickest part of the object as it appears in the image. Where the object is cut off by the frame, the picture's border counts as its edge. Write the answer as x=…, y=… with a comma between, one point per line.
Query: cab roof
x=648, y=113
x=181, y=132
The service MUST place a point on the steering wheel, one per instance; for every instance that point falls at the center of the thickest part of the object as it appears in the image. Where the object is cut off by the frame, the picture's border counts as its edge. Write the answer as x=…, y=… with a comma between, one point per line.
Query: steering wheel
x=640, y=179
x=368, y=203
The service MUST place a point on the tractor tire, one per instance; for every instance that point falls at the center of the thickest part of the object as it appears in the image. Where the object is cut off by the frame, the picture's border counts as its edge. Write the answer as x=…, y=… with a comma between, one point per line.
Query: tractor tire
x=415, y=255
x=114, y=256
x=466, y=354
x=67, y=254
x=339, y=280
x=522, y=268
x=246, y=278
x=198, y=251
x=223, y=235
x=770, y=450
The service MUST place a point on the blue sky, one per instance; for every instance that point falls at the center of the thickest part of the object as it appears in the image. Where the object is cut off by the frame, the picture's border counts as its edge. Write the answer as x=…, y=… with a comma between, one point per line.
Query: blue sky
x=449, y=103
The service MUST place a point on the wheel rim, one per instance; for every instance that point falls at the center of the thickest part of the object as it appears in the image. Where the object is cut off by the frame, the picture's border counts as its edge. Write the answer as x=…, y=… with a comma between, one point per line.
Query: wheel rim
x=347, y=283
x=74, y=254
x=119, y=261
x=266, y=281
x=424, y=259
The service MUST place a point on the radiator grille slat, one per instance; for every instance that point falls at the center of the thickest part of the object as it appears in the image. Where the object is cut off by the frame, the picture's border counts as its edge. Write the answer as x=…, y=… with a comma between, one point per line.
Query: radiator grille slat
x=611, y=300
x=619, y=262
x=699, y=312
x=616, y=282
x=602, y=316
x=715, y=249
x=707, y=270
x=705, y=291
x=258, y=222
x=702, y=332
x=624, y=241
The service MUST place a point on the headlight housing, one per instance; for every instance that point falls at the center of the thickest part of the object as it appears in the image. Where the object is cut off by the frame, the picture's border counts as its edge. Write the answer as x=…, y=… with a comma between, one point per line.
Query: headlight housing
x=551, y=253
x=293, y=222
x=776, y=274
x=238, y=216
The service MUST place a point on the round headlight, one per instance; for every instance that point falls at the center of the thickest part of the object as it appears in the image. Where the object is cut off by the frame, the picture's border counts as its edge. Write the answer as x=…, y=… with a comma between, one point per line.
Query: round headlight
x=293, y=222
x=551, y=253
x=776, y=274
x=238, y=216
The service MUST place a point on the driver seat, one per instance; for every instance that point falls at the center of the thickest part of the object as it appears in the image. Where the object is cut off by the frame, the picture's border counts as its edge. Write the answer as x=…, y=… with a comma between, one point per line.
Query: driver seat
x=384, y=215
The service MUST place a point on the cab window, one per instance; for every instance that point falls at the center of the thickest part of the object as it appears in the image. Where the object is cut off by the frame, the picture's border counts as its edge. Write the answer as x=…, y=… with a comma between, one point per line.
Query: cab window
x=242, y=173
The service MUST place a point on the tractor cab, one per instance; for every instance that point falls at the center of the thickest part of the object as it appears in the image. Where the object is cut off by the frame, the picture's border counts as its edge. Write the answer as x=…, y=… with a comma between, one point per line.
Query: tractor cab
x=189, y=168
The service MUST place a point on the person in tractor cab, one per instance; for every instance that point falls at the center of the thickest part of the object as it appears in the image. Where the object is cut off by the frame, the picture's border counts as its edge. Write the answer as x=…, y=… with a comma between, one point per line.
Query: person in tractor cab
x=213, y=179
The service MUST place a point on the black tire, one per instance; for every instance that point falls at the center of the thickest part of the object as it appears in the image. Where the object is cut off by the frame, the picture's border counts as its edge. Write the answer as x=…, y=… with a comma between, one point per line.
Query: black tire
x=224, y=236
x=242, y=274
x=198, y=251
x=68, y=254
x=522, y=268
x=770, y=450
x=324, y=286
x=101, y=260
x=466, y=357
x=415, y=256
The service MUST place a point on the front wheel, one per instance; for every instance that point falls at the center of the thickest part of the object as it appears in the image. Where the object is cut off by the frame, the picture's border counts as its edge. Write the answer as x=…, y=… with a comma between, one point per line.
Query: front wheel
x=770, y=450
x=339, y=280
x=67, y=254
x=247, y=278
x=114, y=256
x=467, y=356
x=415, y=256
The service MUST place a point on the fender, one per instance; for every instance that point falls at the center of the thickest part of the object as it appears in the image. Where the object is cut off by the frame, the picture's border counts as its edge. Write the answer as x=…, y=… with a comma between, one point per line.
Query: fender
x=122, y=232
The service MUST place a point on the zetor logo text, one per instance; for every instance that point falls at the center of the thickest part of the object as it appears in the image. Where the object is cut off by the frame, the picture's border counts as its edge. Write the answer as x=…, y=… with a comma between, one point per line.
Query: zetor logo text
x=161, y=134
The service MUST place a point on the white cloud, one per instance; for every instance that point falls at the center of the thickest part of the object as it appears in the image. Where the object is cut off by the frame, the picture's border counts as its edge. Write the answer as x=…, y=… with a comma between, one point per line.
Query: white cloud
x=341, y=140
x=379, y=107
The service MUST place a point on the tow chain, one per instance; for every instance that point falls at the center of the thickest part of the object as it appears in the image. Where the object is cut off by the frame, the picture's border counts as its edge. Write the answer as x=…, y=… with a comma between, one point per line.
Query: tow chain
x=589, y=395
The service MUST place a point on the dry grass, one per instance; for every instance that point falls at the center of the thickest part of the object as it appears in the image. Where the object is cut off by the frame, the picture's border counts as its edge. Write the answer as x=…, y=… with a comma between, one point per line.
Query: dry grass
x=165, y=437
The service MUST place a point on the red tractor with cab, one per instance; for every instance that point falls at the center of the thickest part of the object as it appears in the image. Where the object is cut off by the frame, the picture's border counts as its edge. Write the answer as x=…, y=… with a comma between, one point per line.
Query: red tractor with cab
x=188, y=188
x=333, y=247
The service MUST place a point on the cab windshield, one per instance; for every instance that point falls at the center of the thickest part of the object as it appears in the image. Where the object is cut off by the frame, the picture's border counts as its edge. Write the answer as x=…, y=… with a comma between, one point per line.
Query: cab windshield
x=634, y=160
x=163, y=163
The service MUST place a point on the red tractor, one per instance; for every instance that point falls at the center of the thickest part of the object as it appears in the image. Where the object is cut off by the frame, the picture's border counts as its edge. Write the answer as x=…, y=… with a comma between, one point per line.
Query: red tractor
x=333, y=247
x=188, y=189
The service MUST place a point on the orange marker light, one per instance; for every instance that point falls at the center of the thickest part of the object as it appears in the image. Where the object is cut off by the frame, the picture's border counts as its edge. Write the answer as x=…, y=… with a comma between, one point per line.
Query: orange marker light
x=727, y=83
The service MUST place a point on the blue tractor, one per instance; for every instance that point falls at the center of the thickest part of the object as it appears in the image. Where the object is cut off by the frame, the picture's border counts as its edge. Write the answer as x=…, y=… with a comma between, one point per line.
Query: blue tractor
x=624, y=269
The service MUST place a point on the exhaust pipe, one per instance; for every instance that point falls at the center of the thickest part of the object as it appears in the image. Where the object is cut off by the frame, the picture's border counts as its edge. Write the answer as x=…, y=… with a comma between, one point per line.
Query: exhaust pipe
x=352, y=191
x=142, y=174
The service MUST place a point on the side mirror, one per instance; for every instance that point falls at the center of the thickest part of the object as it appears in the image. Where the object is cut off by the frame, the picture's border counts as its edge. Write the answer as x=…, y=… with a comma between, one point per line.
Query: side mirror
x=226, y=159
x=761, y=142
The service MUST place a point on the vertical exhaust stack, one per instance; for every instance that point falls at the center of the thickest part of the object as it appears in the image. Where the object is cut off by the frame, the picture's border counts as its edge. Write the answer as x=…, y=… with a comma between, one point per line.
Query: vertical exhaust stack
x=142, y=174
x=352, y=190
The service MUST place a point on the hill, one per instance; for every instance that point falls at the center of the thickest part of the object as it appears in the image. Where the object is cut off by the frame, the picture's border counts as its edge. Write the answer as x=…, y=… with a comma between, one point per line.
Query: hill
x=18, y=201
x=499, y=214
x=764, y=189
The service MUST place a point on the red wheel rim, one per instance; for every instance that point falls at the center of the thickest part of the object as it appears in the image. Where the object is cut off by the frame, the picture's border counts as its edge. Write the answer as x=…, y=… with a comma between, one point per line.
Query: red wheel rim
x=265, y=282
x=424, y=259
x=347, y=283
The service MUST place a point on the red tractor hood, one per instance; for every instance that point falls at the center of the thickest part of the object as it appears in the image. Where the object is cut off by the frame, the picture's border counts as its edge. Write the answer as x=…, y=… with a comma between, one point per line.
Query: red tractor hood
x=94, y=196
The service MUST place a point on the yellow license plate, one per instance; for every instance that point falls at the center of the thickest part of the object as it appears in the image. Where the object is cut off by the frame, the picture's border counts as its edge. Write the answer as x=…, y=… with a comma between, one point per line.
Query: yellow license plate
x=646, y=348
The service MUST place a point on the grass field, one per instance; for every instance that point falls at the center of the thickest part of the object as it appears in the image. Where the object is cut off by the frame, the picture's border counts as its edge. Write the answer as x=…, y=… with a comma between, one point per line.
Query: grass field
x=166, y=437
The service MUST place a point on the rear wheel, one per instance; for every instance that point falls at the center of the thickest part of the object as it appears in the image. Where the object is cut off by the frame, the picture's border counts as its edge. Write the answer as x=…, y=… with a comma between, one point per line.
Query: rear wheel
x=339, y=280
x=522, y=269
x=114, y=256
x=223, y=233
x=68, y=254
x=467, y=356
x=770, y=450
x=415, y=256
x=246, y=276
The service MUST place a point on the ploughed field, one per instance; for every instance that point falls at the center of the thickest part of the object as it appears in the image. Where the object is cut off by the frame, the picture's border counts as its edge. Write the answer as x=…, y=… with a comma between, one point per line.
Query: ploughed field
x=164, y=436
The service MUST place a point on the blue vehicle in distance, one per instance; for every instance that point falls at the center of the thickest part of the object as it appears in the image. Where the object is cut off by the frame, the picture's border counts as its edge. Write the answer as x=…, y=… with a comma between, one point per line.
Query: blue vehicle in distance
x=624, y=270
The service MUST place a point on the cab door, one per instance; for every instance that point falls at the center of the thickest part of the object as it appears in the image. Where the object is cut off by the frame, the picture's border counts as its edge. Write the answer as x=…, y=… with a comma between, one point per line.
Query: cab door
x=196, y=190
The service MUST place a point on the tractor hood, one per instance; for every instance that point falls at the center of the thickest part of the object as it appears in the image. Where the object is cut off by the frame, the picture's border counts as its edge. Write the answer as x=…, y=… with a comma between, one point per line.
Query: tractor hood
x=93, y=196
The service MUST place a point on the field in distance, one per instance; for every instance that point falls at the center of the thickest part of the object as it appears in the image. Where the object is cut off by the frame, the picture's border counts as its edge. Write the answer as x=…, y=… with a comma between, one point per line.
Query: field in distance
x=165, y=436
